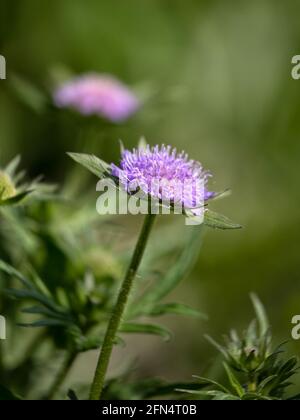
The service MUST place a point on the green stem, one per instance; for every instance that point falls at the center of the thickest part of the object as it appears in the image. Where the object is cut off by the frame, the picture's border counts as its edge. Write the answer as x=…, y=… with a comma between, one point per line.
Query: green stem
x=115, y=321
x=62, y=374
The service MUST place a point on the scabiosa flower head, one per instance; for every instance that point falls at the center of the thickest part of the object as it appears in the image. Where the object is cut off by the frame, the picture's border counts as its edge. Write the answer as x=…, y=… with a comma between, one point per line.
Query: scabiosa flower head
x=165, y=175
x=96, y=94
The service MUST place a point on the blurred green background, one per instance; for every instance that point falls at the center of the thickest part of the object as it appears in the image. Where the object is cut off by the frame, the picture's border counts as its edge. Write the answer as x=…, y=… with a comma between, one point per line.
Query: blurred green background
x=216, y=76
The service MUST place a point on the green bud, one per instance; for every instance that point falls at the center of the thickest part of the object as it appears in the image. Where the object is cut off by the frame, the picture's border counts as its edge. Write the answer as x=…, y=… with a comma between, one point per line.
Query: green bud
x=7, y=188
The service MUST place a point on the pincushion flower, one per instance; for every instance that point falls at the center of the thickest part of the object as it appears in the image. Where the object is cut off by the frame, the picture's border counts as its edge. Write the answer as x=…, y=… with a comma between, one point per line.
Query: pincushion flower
x=165, y=175
x=158, y=172
x=97, y=94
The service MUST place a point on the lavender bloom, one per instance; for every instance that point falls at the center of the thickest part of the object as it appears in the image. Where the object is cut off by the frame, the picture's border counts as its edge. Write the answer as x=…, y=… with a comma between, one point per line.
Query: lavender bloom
x=95, y=94
x=165, y=175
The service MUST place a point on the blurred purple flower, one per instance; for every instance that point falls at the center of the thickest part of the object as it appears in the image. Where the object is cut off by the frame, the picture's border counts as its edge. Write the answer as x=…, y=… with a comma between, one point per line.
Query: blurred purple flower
x=164, y=174
x=96, y=94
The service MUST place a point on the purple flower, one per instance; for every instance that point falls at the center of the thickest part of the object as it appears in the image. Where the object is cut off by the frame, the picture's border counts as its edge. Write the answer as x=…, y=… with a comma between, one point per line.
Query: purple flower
x=165, y=175
x=96, y=94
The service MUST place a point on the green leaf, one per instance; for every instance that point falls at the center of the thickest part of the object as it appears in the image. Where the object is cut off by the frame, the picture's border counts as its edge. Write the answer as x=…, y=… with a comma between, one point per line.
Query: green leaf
x=28, y=93
x=45, y=323
x=211, y=382
x=218, y=221
x=260, y=314
x=288, y=366
x=267, y=384
x=95, y=165
x=7, y=395
x=177, y=309
x=165, y=284
x=40, y=310
x=8, y=269
x=220, y=396
x=233, y=380
x=84, y=344
x=16, y=199
x=251, y=396
x=11, y=168
x=135, y=328
x=216, y=395
x=32, y=294
x=72, y=395
x=218, y=346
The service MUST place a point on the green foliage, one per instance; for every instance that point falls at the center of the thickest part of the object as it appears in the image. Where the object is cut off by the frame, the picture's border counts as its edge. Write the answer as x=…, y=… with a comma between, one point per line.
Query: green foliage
x=13, y=188
x=254, y=370
x=95, y=165
x=64, y=281
x=218, y=221
x=6, y=395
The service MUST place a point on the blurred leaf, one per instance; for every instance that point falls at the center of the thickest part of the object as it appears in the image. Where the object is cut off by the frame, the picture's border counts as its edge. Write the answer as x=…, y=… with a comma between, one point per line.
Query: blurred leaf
x=6, y=395
x=165, y=284
x=142, y=145
x=11, y=168
x=8, y=269
x=218, y=346
x=175, y=308
x=40, y=310
x=44, y=323
x=72, y=395
x=29, y=94
x=34, y=295
x=134, y=328
x=218, y=221
x=260, y=314
x=95, y=165
x=16, y=199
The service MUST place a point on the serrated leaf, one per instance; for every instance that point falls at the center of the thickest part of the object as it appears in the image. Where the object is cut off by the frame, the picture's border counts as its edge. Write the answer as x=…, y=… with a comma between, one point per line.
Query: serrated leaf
x=91, y=162
x=135, y=328
x=218, y=221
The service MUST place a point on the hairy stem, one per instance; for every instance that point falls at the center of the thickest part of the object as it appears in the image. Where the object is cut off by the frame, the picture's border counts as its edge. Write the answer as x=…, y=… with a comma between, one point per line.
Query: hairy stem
x=116, y=318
